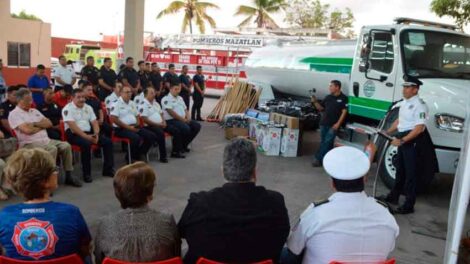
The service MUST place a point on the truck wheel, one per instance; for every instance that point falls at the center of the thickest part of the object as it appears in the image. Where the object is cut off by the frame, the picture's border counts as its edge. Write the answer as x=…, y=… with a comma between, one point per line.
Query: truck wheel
x=387, y=168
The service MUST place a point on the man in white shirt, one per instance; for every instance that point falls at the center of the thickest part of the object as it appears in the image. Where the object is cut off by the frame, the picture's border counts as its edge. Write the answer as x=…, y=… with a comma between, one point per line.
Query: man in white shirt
x=63, y=75
x=30, y=127
x=124, y=117
x=410, y=125
x=347, y=227
x=152, y=116
x=82, y=129
x=113, y=97
x=177, y=115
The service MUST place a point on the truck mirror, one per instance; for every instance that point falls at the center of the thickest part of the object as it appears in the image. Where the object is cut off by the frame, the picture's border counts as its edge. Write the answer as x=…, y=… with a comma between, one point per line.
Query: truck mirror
x=363, y=66
x=383, y=78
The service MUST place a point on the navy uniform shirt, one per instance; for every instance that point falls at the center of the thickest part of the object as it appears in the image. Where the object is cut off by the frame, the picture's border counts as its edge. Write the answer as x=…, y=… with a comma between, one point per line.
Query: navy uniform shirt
x=334, y=106
x=170, y=78
x=108, y=76
x=144, y=79
x=95, y=104
x=156, y=79
x=130, y=75
x=199, y=79
x=51, y=111
x=6, y=108
x=187, y=81
x=92, y=74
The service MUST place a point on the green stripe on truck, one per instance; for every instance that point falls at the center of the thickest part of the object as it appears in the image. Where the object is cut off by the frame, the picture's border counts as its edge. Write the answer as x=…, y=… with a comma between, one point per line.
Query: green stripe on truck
x=370, y=108
x=336, y=65
x=335, y=61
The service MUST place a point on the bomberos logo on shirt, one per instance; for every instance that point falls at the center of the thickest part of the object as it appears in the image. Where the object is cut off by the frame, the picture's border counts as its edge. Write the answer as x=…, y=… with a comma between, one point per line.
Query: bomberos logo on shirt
x=34, y=238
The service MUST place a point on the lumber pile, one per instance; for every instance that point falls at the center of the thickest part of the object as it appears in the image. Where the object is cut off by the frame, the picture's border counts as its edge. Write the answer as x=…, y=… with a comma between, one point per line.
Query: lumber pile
x=240, y=97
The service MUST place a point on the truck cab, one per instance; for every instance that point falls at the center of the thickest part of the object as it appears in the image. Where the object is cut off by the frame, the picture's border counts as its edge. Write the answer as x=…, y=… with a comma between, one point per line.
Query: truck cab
x=439, y=56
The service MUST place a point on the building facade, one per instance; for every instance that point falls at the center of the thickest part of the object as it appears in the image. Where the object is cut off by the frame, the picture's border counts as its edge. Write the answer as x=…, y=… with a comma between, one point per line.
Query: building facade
x=23, y=45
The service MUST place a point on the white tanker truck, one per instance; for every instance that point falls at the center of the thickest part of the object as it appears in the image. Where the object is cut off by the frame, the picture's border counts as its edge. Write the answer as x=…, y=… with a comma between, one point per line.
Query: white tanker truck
x=371, y=70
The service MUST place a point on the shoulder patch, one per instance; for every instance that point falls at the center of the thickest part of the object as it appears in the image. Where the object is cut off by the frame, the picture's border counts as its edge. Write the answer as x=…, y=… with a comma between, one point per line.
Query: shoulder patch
x=66, y=112
x=318, y=203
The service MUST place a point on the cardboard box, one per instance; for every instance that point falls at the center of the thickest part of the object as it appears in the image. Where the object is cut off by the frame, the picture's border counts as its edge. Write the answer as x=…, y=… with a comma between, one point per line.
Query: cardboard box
x=289, y=142
x=232, y=132
x=269, y=140
x=288, y=121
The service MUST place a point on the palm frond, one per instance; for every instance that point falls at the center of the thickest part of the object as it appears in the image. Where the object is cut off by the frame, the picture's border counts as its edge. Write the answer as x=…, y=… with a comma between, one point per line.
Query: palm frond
x=246, y=22
x=205, y=5
x=246, y=10
x=172, y=8
x=186, y=21
x=209, y=19
x=268, y=20
x=200, y=23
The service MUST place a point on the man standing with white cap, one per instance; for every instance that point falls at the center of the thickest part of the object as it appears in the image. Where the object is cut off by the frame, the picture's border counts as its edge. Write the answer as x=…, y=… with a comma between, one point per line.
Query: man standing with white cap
x=410, y=125
x=349, y=225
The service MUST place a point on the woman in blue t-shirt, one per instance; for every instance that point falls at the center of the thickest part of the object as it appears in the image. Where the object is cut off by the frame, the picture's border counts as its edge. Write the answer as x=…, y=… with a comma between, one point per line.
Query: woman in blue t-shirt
x=39, y=228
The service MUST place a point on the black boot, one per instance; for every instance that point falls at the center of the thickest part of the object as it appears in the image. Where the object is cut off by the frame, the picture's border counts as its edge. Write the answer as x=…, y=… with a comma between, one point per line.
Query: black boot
x=72, y=181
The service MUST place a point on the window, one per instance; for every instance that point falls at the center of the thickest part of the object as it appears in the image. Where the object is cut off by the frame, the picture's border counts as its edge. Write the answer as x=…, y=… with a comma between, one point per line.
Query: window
x=19, y=54
x=429, y=54
x=381, y=56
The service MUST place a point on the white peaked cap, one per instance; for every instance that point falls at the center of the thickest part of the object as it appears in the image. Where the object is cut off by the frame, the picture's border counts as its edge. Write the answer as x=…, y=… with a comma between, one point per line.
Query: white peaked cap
x=346, y=163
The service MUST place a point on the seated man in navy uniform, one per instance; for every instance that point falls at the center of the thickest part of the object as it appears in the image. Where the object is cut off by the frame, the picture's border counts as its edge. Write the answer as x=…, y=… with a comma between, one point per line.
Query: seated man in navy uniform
x=124, y=117
x=177, y=115
x=95, y=103
x=240, y=222
x=347, y=227
x=6, y=107
x=50, y=110
x=83, y=130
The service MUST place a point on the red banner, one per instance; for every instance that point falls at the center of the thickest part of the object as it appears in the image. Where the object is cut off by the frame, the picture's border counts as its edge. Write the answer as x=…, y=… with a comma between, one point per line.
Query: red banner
x=211, y=60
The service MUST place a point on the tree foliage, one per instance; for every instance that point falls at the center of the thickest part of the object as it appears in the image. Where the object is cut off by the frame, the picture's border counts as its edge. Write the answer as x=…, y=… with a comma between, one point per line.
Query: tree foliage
x=314, y=14
x=24, y=15
x=193, y=10
x=459, y=10
x=260, y=13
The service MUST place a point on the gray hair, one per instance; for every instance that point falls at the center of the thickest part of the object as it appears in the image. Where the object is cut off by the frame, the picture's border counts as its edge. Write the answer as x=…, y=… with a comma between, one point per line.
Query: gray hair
x=239, y=160
x=21, y=93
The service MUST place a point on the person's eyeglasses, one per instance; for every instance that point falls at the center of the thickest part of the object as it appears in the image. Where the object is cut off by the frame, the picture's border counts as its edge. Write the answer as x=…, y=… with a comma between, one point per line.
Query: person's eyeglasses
x=128, y=92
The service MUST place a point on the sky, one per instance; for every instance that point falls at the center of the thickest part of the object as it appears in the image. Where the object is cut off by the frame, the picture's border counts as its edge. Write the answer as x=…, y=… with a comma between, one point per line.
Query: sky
x=89, y=19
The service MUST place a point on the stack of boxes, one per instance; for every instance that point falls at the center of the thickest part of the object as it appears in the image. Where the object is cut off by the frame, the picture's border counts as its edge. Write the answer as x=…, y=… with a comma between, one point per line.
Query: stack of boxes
x=275, y=134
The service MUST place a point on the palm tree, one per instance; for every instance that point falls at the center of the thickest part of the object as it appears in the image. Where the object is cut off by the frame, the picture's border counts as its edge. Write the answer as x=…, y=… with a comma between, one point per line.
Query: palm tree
x=260, y=12
x=193, y=9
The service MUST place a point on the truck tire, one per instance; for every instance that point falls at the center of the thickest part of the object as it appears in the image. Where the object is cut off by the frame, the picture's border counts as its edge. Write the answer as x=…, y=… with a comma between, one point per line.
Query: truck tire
x=387, y=168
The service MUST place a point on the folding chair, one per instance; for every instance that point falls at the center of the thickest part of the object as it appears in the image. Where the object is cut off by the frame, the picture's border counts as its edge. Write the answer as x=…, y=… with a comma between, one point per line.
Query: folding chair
x=76, y=148
x=176, y=260
x=116, y=139
x=71, y=259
